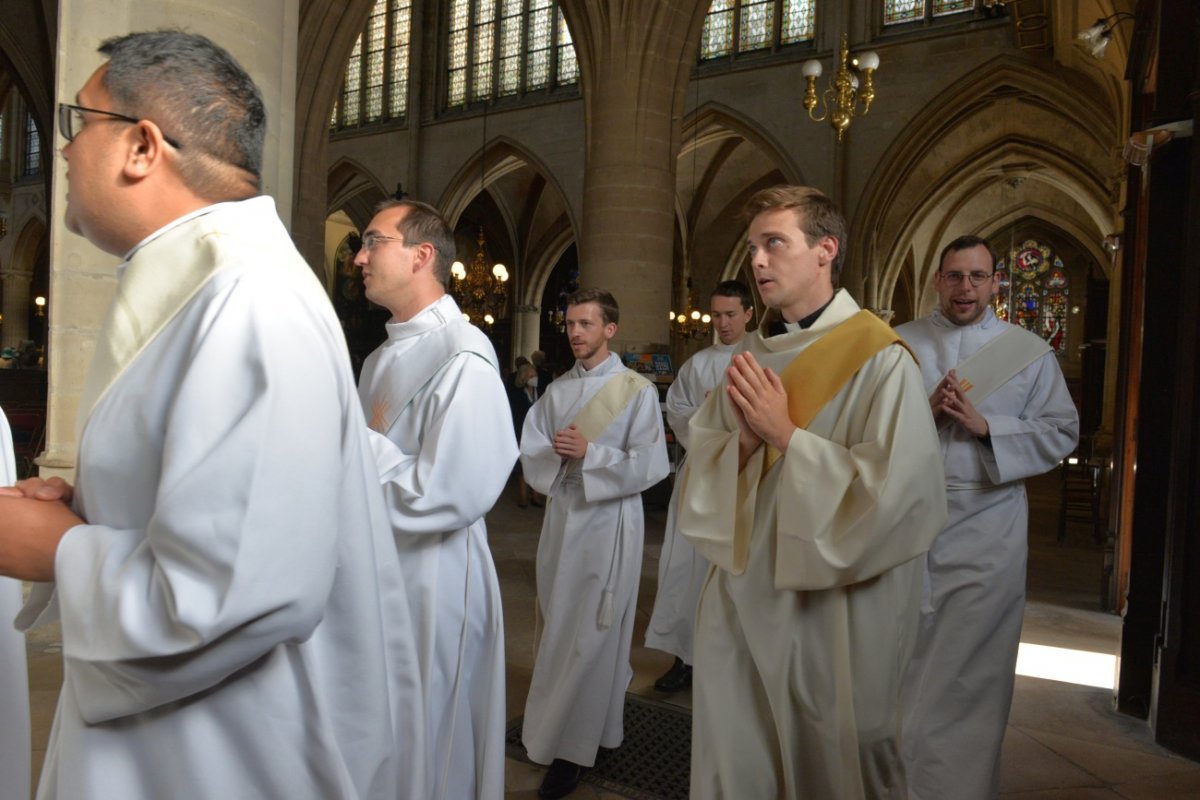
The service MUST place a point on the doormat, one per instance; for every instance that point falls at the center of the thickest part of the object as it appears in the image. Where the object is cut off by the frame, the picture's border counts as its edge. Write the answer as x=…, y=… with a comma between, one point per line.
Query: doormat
x=654, y=761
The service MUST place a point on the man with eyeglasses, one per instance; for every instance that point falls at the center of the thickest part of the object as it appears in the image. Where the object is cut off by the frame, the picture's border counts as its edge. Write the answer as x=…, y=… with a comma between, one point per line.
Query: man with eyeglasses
x=233, y=618
x=1003, y=414
x=444, y=446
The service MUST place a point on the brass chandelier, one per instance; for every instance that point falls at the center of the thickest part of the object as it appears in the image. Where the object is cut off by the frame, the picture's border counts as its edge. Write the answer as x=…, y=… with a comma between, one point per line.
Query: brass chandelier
x=480, y=290
x=690, y=323
x=840, y=101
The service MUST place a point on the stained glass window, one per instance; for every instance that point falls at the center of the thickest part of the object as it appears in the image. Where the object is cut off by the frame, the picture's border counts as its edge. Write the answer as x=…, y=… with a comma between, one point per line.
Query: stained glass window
x=898, y=11
x=1034, y=292
x=375, y=84
x=742, y=26
x=32, y=162
x=512, y=47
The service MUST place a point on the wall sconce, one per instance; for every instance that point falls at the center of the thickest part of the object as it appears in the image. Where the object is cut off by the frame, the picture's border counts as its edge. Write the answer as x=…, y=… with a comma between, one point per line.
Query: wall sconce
x=1097, y=37
x=40, y=302
x=840, y=101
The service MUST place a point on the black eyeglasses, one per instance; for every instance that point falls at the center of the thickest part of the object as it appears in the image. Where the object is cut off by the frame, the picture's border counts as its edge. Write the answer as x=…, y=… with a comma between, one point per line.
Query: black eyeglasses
x=71, y=121
x=976, y=278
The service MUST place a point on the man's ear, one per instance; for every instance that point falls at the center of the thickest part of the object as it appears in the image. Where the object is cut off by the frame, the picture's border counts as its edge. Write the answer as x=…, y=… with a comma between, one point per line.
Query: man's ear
x=145, y=149
x=828, y=246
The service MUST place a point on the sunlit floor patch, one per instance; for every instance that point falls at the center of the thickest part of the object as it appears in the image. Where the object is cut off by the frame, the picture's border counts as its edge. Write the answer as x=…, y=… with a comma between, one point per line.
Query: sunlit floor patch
x=1068, y=666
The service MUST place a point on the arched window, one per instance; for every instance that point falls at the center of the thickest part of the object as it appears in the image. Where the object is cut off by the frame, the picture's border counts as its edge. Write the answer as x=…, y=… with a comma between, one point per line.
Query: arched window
x=742, y=26
x=1034, y=292
x=31, y=161
x=500, y=48
x=375, y=86
x=898, y=11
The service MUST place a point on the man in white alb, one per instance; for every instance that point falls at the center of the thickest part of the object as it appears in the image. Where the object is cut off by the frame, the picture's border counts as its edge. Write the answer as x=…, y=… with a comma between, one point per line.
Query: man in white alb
x=814, y=485
x=1003, y=414
x=681, y=570
x=233, y=619
x=443, y=440
x=592, y=443
x=14, y=682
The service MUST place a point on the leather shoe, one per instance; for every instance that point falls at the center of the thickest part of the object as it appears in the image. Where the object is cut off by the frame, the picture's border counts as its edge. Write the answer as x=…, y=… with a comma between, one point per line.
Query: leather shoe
x=677, y=678
x=561, y=779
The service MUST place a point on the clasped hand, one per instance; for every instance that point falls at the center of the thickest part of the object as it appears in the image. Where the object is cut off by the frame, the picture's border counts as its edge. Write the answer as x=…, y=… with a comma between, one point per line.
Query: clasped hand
x=950, y=399
x=34, y=516
x=569, y=442
x=760, y=403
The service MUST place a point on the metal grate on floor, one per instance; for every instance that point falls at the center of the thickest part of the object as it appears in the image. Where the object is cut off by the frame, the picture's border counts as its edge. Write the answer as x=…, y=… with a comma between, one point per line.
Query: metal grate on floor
x=654, y=761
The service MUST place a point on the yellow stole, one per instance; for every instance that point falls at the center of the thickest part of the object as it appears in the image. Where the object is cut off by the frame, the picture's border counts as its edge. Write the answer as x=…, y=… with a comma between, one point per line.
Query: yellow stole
x=606, y=404
x=818, y=373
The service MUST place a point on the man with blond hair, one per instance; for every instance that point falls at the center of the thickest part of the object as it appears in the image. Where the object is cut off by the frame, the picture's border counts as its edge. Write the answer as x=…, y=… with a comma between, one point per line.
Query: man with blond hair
x=814, y=486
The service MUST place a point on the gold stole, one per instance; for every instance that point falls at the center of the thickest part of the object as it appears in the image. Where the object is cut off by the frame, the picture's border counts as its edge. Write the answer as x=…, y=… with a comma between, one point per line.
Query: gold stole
x=606, y=404
x=994, y=364
x=158, y=282
x=818, y=373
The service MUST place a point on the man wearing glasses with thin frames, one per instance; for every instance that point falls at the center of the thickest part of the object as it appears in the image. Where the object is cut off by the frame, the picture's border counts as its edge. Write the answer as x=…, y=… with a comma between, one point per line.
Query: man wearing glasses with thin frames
x=1003, y=414
x=234, y=622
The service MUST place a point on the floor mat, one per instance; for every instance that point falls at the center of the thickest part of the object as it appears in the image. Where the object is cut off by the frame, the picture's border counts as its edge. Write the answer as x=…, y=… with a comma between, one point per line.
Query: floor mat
x=652, y=763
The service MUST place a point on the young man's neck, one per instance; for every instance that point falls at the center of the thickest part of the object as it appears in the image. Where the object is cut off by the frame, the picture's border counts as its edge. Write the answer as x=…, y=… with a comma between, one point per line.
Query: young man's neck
x=801, y=309
x=599, y=358
x=415, y=303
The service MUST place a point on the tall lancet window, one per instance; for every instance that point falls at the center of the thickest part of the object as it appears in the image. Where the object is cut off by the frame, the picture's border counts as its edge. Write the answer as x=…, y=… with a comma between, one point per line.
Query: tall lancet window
x=742, y=26
x=375, y=84
x=506, y=48
x=31, y=161
x=1034, y=292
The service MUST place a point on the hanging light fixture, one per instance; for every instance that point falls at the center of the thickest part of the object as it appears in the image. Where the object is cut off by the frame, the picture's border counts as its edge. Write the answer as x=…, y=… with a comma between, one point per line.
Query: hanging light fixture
x=480, y=290
x=840, y=100
x=690, y=323
x=1096, y=37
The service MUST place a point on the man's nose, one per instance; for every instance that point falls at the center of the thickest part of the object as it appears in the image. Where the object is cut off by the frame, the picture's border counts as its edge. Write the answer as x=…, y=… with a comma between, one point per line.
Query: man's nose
x=361, y=257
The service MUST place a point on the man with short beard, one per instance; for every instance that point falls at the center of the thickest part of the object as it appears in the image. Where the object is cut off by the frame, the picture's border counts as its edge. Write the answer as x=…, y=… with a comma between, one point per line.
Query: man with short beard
x=591, y=444
x=1003, y=414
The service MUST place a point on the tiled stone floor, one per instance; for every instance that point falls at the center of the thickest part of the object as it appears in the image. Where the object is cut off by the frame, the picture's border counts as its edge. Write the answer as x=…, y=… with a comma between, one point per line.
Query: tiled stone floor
x=1064, y=742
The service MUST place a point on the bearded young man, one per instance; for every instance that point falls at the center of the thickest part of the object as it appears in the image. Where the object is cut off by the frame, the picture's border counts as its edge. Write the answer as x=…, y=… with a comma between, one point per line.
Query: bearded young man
x=1003, y=414
x=592, y=444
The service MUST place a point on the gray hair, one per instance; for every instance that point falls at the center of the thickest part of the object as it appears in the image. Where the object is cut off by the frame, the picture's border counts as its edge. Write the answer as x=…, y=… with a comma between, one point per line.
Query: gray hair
x=196, y=92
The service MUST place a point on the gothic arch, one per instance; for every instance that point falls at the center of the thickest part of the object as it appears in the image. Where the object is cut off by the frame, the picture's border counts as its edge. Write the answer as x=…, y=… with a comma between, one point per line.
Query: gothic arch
x=327, y=32
x=723, y=159
x=353, y=189
x=988, y=131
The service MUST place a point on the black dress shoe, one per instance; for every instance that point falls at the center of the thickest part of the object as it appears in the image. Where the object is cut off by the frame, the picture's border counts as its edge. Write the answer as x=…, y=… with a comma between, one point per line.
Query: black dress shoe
x=561, y=779
x=678, y=677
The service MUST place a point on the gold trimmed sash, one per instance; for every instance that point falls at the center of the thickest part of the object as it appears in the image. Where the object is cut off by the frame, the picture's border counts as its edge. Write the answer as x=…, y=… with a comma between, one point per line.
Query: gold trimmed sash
x=816, y=375
x=608, y=403
x=998, y=361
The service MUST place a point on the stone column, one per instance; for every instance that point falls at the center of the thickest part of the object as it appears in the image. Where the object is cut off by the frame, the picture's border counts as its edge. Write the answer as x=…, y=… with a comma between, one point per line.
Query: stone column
x=527, y=328
x=635, y=57
x=16, y=307
x=261, y=34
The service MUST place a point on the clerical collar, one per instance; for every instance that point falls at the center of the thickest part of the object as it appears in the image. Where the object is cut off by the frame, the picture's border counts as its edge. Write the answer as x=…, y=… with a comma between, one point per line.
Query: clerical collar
x=778, y=327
